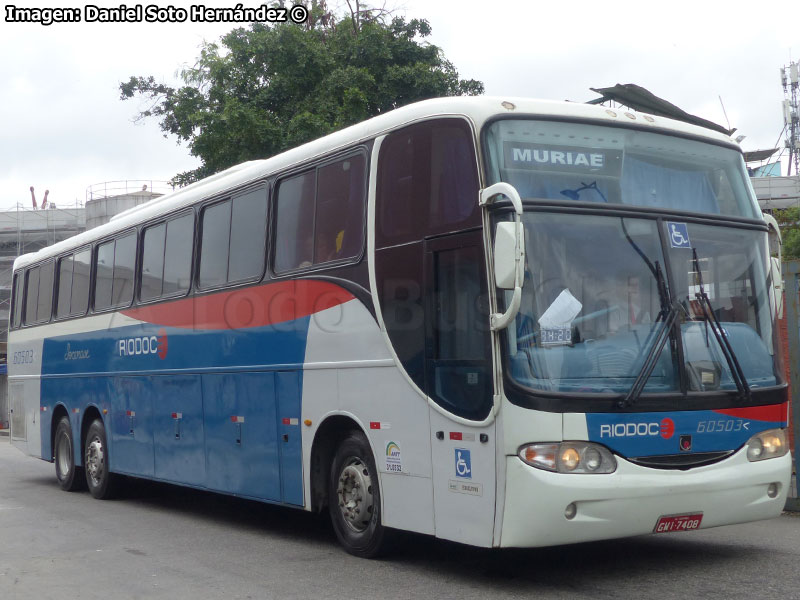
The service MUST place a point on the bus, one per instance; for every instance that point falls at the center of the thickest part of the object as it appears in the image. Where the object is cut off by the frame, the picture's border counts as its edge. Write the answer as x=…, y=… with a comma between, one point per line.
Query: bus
x=502, y=322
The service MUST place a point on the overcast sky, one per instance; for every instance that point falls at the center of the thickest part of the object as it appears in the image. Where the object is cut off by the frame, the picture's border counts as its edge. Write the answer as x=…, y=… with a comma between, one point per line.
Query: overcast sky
x=64, y=127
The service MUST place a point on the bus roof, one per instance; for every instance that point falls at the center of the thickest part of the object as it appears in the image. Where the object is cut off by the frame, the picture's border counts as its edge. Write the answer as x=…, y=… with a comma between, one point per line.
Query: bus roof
x=477, y=109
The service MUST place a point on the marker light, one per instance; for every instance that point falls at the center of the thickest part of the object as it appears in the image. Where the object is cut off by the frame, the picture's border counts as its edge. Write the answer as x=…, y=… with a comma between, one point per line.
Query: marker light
x=569, y=457
x=767, y=444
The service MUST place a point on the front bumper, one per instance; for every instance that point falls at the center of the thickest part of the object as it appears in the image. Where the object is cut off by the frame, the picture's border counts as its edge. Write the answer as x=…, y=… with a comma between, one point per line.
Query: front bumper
x=629, y=501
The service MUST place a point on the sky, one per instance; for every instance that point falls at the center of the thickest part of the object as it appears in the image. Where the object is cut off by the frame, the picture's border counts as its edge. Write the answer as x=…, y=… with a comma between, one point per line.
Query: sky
x=65, y=129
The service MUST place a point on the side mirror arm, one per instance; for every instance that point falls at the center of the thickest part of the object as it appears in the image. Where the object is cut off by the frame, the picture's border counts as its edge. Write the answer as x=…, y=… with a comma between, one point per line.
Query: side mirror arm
x=488, y=196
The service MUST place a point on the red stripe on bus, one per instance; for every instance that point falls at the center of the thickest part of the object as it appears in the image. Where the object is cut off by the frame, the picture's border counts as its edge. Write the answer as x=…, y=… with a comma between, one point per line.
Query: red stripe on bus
x=248, y=307
x=775, y=413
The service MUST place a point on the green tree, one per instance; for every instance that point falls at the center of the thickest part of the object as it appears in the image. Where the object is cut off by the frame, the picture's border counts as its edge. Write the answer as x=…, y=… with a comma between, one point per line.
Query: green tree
x=789, y=222
x=266, y=88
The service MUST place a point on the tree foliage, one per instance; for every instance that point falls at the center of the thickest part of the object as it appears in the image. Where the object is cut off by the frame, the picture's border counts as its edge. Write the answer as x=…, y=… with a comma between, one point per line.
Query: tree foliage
x=789, y=222
x=265, y=88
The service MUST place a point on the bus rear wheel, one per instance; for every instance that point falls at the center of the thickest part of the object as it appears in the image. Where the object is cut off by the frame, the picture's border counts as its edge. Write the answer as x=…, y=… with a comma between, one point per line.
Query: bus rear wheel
x=70, y=476
x=102, y=483
x=354, y=499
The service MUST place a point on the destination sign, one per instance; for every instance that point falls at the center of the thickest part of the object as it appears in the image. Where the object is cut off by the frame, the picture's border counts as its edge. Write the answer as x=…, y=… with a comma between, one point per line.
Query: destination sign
x=566, y=159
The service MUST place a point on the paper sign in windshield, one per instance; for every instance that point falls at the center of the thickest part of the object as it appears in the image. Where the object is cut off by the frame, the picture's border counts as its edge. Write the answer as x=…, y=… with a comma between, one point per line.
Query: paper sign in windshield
x=566, y=159
x=561, y=312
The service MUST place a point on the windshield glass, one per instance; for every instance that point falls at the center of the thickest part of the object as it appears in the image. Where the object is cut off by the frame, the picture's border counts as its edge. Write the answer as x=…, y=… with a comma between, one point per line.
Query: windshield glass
x=595, y=298
x=592, y=163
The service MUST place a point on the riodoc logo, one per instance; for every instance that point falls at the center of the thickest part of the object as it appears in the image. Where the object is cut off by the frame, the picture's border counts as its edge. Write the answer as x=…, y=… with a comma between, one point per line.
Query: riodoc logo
x=138, y=346
x=665, y=428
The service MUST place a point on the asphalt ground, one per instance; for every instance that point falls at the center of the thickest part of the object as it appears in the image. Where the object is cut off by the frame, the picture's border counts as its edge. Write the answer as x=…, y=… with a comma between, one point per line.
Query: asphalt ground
x=160, y=541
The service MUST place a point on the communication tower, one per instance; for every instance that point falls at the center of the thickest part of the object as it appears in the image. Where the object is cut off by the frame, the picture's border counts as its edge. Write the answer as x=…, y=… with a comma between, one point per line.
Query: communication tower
x=791, y=113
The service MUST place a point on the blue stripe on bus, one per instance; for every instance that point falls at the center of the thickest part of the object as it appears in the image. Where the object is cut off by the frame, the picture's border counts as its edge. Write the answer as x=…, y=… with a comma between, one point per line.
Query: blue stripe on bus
x=235, y=432
x=653, y=434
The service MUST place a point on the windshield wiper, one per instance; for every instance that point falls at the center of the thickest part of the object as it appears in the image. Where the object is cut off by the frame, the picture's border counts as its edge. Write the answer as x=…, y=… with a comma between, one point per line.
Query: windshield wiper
x=669, y=313
x=651, y=360
x=722, y=339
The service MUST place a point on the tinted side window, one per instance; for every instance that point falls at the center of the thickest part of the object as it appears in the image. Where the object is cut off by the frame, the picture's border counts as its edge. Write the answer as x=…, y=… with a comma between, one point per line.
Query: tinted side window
x=248, y=236
x=16, y=318
x=65, y=266
x=124, y=270
x=398, y=218
x=294, y=222
x=216, y=229
x=152, y=261
x=81, y=270
x=31, y=295
x=45, y=304
x=427, y=182
x=178, y=257
x=104, y=271
x=339, y=229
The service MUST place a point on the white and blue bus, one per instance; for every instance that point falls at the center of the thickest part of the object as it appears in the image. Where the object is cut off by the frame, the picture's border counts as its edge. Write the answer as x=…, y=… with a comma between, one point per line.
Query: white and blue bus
x=503, y=322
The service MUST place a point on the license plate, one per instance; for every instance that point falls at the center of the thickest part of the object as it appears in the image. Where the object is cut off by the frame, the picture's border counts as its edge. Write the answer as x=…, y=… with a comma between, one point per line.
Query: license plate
x=670, y=523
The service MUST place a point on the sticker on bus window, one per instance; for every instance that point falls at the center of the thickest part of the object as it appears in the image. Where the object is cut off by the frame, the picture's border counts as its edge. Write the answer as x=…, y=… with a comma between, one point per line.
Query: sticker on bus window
x=678, y=235
x=556, y=336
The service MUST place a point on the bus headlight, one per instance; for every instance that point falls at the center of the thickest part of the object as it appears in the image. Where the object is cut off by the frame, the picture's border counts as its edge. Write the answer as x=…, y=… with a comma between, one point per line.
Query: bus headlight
x=767, y=444
x=569, y=457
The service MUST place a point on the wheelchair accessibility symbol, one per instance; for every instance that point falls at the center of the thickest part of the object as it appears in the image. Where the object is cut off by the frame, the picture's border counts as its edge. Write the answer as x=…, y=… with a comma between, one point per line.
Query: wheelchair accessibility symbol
x=463, y=464
x=678, y=235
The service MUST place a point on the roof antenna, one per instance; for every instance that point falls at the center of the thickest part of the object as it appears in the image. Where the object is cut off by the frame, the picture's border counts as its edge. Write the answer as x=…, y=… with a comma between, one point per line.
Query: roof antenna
x=724, y=113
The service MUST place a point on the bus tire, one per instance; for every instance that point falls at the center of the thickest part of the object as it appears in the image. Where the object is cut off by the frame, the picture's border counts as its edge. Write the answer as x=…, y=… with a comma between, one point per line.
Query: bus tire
x=354, y=499
x=101, y=483
x=70, y=477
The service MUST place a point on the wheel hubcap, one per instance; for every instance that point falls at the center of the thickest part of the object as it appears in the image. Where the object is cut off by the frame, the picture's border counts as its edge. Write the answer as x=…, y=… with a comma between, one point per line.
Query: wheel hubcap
x=354, y=492
x=95, y=460
x=64, y=455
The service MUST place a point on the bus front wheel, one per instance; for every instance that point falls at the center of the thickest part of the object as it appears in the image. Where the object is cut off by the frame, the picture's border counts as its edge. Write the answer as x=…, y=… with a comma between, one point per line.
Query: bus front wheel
x=70, y=477
x=95, y=454
x=354, y=499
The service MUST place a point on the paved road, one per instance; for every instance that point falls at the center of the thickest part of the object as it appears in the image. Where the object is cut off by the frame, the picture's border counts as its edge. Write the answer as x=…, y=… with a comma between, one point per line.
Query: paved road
x=165, y=542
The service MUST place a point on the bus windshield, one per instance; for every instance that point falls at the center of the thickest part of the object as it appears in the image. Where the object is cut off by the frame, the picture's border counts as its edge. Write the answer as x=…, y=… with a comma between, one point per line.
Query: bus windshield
x=595, y=298
x=591, y=163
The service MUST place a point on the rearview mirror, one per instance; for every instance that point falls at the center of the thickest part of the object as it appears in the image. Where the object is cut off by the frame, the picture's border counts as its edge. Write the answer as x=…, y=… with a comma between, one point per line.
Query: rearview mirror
x=505, y=254
x=775, y=274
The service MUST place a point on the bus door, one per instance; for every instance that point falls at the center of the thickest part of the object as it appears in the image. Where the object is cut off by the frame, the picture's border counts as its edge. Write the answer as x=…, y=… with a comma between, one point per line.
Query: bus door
x=458, y=377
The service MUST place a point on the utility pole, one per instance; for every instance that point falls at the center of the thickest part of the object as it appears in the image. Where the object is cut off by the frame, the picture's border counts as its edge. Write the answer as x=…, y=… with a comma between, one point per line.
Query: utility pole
x=791, y=114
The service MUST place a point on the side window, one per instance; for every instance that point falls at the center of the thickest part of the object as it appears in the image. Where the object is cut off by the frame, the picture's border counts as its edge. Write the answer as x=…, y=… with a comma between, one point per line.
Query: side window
x=16, y=318
x=427, y=182
x=152, y=261
x=459, y=369
x=320, y=215
x=248, y=236
x=233, y=238
x=65, y=269
x=45, y=304
x=114, y=268
x=31, y=295
x=294, y=223
x=339, y=218
x=81, y=270
x=124, y=265
x=216, y=231
x=178, y=256
x=167, y=258
x=104, y=270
